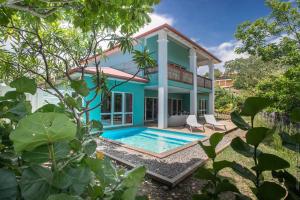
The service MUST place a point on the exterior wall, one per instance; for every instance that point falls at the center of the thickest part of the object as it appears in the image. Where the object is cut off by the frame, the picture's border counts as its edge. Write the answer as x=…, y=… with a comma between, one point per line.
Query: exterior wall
x=152, y=46
x=122, y=61
x=137, y=91
x=40, y=98
x=178, y=54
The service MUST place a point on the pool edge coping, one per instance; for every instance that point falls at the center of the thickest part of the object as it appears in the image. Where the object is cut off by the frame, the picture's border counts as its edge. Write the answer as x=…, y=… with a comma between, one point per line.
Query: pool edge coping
x=158, y=155
x=172, y=182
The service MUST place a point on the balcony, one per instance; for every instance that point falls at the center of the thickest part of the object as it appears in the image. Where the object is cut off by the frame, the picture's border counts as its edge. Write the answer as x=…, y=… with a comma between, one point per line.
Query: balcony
x=177, y=73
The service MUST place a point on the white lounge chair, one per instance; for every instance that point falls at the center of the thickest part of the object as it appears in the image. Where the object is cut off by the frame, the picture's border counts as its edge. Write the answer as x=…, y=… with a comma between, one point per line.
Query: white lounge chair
x=192, y=122
x=210, y=119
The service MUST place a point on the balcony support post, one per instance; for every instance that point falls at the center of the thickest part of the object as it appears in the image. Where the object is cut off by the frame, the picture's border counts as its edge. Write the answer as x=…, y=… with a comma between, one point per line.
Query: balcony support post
x=162, y=79
x=211, y=104
x=194, y=91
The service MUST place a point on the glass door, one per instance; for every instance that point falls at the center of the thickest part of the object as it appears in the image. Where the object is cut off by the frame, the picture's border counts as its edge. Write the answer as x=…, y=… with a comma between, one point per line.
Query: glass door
x=151, y=107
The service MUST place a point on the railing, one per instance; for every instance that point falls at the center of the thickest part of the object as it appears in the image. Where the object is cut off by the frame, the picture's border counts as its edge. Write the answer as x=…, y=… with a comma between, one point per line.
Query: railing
x=177, y=73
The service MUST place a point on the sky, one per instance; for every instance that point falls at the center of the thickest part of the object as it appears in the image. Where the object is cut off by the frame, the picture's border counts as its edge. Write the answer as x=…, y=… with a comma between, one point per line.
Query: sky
x=211, y=23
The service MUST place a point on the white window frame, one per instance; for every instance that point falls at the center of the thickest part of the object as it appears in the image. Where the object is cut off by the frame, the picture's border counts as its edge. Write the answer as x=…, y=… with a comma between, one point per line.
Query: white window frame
x=177, y=107
x=123, y=113
x=202, y=106
x=152, y=118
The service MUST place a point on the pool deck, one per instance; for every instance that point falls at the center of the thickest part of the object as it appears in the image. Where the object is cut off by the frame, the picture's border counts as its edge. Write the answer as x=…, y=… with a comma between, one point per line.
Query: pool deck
x=172, y=169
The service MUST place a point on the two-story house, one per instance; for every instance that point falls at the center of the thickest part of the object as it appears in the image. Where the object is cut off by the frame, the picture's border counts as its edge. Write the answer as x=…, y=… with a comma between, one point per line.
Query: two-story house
x=171, y=88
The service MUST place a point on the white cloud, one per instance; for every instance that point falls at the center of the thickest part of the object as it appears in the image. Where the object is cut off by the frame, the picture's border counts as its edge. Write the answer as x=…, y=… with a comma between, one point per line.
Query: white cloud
x=156, y=20
x=225, y=52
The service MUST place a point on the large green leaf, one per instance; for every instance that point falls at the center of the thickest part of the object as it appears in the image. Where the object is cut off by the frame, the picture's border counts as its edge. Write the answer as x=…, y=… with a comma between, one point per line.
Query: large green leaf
x=268, y=162
x=41, y=153
x=254, y=105
x=14, y=110
x=103, y=170
x=75, y=179
x=35, y=183
x=255, y=136
x=241, y=147
x=239, y=121
x=295, y=115
x=63, y=196
x=71, y=102
x=243, y=171
x=219, y=165
x=21, y=109
x=80, y=87
x=89, y=146
x=50, y=108
x=270, y=190
x=291, y=183
x=13, y=95
x=42, y=128
x=209, y=150
x=131, y=181
x=8, y=186
x=24, y=84
x=225, y=186
x=215, y=139
x=203, y=173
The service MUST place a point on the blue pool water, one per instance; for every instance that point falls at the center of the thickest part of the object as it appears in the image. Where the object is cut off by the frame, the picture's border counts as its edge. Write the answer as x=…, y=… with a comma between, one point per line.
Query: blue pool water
x=154, y=140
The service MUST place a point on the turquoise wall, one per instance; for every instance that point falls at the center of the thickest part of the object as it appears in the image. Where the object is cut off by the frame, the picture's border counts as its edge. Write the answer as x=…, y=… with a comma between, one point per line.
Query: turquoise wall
x=178, y=54
x=152, y=45
x=137, y=91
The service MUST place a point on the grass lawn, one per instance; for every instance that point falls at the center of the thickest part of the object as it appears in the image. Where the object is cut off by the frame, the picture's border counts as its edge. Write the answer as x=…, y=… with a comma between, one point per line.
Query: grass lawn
x=243, y=184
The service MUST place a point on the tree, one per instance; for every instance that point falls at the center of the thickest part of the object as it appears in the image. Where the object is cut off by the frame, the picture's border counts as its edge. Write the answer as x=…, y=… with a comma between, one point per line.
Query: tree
x=247, y=72
x=47, y=48
x=47, y=39
x=275, y=37
x=217, y=73
x=226, y=101
x=282, y=90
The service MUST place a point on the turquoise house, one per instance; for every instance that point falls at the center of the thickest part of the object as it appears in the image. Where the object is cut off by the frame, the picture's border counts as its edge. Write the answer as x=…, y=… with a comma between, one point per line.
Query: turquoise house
x=173, y=88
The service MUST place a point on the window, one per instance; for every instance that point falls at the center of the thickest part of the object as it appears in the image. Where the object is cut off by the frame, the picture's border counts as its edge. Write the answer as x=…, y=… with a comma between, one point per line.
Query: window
x=202, y=106
x=117, y=109
x=175, y=106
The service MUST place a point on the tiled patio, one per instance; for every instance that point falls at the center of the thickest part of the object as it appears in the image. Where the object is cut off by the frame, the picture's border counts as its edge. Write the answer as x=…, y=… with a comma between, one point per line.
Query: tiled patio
x=174, y=168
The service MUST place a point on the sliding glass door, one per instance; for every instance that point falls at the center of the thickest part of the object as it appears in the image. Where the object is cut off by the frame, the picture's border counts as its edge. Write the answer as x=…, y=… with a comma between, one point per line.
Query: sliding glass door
x=151, y=109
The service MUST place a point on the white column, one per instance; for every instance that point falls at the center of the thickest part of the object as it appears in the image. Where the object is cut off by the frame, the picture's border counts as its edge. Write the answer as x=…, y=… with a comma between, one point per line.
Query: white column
x=193, y=93
x=211, y=104
x=162, y=80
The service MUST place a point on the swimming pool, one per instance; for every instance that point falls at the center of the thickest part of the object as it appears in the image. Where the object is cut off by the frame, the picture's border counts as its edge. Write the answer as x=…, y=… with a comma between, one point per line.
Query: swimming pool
x=150, y=139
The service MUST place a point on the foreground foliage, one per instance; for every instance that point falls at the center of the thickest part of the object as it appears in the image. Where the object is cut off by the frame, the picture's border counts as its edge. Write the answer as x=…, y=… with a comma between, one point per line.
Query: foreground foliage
x=42, y=158
x=286, y=186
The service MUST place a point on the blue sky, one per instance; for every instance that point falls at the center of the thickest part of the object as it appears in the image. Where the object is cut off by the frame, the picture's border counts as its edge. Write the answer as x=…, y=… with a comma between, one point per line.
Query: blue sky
x=211, y=23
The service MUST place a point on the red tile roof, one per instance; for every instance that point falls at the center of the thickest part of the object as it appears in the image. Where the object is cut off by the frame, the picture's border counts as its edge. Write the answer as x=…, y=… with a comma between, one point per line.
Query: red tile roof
x=111, y=72
x=170, y=28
